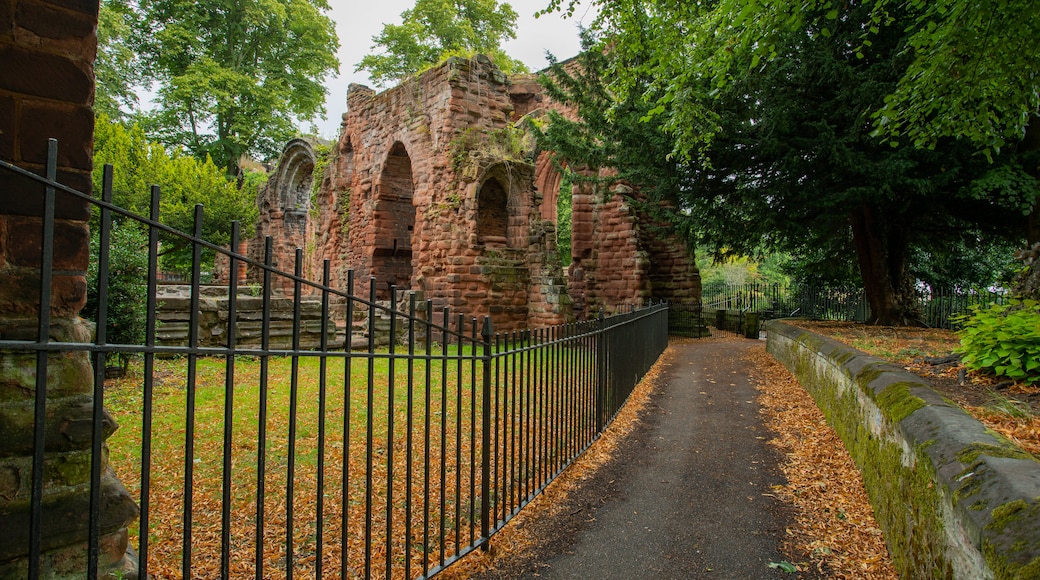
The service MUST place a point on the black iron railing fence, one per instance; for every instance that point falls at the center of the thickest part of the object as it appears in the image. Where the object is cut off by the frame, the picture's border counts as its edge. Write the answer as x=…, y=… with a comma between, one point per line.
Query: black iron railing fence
x=937, y=305
x=327, y=462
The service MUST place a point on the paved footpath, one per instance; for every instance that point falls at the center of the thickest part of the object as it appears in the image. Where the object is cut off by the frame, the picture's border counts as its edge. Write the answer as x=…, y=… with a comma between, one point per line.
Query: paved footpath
x=689, y=494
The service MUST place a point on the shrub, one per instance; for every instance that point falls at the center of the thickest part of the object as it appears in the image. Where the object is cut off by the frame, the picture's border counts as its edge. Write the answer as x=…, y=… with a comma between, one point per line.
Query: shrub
x=1004, y=339
x=127, y=292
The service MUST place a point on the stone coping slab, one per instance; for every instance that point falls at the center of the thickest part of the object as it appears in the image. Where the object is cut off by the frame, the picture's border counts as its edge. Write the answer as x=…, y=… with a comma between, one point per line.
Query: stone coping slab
x=954, y=499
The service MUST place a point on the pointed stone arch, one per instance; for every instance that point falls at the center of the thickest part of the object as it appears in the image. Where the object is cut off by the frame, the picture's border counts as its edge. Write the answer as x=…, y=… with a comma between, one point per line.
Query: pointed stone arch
x=393, y=219
x=292, y=183
x=502, y=196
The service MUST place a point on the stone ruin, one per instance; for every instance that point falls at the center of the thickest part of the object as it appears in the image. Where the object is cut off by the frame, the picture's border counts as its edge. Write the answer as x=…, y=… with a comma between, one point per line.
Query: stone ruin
x=434, y=187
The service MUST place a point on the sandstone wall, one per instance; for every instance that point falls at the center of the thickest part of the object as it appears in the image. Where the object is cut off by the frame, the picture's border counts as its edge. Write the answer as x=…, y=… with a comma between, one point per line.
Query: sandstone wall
x=428, y=189
x=435, y=187
x=47, y=51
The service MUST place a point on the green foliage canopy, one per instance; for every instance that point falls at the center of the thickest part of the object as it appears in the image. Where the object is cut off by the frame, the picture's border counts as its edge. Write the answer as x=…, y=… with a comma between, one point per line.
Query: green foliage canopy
x=794, y=166
x=968, y=70
x=234, y=76
x=184, y=181
x=434, y=30
x=116, y=68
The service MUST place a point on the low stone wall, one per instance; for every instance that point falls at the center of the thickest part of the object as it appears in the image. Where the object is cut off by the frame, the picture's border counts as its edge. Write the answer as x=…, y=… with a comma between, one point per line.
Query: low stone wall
x=954, y=499
x=174, y=312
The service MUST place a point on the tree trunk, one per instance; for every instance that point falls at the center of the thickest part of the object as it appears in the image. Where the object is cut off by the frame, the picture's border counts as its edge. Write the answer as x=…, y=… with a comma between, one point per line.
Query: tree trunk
x=882, y=247
x=1027, y=283
x=1031, y=142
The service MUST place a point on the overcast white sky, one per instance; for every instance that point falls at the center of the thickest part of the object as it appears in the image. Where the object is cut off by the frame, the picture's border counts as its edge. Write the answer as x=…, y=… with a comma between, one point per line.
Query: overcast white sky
x=357, y=22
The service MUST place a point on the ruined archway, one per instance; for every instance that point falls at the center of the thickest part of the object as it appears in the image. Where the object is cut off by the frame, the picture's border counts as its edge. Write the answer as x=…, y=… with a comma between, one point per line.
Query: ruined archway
x=492, y=214
x=394, y=223
x=292, y=185
x=285, y=204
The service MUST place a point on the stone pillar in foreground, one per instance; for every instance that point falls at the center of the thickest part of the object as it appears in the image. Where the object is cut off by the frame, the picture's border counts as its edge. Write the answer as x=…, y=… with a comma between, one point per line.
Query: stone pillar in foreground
x=47, y=51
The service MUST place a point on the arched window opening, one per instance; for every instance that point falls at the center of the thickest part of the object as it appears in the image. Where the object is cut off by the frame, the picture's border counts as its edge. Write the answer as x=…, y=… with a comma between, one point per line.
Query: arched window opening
x=394, y=220
x=298, y=195
x=492, y=214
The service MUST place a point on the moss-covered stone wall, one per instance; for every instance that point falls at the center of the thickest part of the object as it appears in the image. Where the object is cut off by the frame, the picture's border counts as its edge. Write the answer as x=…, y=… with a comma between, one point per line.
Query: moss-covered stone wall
x=954, y=499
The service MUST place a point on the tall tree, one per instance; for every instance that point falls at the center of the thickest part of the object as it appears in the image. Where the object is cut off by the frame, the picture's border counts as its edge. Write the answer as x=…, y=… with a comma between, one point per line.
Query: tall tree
x=970, y=70
x=794, y=167
x=433, y=30
x=235, y=76
x=610, y=133
x=116, y=68
x=799, y=157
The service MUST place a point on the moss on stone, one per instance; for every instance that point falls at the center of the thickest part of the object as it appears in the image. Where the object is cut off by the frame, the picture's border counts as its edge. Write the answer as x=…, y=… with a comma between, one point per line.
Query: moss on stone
x=897, y=403
x=867, y=376
x=1001, y=557
x=893, y=481
x=970, y=454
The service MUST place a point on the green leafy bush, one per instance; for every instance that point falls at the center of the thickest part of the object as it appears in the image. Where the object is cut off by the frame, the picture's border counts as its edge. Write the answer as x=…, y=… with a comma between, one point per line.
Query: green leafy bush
x=1004, y=339
x=127, y=292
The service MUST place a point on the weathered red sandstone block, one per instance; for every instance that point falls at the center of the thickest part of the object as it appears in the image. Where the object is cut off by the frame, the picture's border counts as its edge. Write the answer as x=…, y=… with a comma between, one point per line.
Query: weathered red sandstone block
x=68, y=295
x=46, y=22
x=23, y=243
x=65, y=80
x=72, y=125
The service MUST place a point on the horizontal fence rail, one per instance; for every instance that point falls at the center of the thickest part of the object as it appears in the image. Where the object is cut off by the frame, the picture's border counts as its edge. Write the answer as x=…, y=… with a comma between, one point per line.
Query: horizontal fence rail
x=342, y=460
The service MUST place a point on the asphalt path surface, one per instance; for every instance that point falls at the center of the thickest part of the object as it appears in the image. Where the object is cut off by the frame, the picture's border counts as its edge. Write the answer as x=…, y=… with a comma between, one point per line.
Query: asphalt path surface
x=687, y=493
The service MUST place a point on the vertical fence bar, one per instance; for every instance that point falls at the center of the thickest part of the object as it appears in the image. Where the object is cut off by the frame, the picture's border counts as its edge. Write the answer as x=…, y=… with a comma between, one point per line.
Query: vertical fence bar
x=557, y=380
x=428, y=409
x=410, y=427
x=43, y=334
x=323, y=359
x=499, y=471
x=345, y=570
x=100, y=339
x=369, y=425
x=551, y=383
x=460, y=333
x=537, y=407
x=528, y=414
x=472, y=427
x=148, y=387
x=261, y=443
x=294, y=393
x=391, y=379
x=189, y=414
x=485, y=453
x=442, y=518
x=601, y=373
x=229, y=404
x=512, y=421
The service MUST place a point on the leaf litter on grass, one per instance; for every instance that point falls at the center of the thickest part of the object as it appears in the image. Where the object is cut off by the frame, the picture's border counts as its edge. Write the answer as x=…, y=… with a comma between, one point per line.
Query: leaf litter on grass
x=167, y=485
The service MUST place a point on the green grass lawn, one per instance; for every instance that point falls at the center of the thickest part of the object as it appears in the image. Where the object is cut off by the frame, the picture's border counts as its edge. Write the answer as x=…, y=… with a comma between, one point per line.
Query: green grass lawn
x=454, y=402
